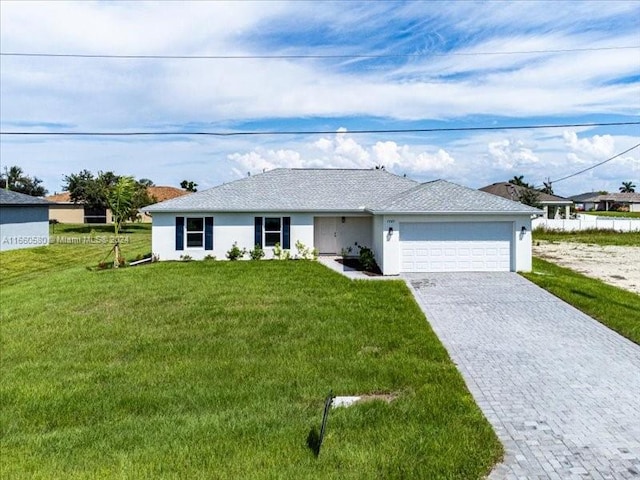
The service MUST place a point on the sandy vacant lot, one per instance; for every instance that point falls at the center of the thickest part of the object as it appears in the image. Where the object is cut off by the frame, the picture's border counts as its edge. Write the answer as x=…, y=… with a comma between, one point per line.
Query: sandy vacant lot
x=619, y=266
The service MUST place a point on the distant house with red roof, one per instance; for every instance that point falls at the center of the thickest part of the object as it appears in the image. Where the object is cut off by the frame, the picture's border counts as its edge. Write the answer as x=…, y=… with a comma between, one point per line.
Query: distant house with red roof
x=64, y=210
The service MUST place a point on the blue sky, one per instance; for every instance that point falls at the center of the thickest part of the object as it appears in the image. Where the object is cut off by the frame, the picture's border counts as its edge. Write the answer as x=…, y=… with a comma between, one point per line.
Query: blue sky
x=446, y=67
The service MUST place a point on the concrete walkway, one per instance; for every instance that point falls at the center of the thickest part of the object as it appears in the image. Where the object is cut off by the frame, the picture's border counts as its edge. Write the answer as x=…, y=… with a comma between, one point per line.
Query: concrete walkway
x=561, y=390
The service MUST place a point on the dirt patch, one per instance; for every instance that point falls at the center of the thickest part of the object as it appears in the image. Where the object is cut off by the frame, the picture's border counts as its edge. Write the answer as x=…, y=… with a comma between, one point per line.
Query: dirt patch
x=385, y=397
x=615, y=265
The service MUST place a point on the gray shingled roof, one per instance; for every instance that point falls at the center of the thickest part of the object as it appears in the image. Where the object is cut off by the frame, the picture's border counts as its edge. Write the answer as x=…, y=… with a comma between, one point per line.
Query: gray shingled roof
x=596, y=197
x=441, y=196
x=8, y=197
x=338, y=190
x=291, y=190
x=512, y=192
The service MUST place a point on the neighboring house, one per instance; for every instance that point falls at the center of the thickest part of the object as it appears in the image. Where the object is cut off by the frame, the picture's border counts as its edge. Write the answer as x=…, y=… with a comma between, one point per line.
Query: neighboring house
x=411, y=227
x=24, y=221
x=64, y=210
x=607, y=201
x=553, y=206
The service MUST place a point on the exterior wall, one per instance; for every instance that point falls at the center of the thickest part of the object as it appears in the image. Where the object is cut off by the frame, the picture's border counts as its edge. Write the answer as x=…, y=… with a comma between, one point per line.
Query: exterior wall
x=374, y=232
x=23, y=227
x=389, y=261
x=67, y=213
x=634, y=207
x=378, y=240
x=354, y=230
x=227, y=229
x=145, y=217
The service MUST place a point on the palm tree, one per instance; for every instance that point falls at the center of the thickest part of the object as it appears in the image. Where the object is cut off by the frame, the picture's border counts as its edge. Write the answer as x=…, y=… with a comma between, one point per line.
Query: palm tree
x=548, y=188
x=627, y=187
x=119, y=199
x=519, y=180
x=13, y=175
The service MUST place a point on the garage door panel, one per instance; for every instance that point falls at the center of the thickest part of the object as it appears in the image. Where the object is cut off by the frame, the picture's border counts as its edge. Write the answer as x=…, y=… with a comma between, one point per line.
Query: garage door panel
x=456, y=246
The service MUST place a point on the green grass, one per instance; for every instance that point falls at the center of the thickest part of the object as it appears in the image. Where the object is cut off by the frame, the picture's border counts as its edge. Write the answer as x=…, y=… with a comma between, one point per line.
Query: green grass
x=596, y=237
x=220, y=369
x=615, y=214
x=612, y=306
x=72, y=246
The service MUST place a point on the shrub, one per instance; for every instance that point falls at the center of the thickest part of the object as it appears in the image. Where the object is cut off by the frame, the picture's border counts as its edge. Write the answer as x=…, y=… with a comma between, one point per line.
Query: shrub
x=236, y=252
x=305, y=252
x=209, y=258
x=186, y=258
x=345, y=252
x=280, y=254
x=367, y=259
x=257, y=253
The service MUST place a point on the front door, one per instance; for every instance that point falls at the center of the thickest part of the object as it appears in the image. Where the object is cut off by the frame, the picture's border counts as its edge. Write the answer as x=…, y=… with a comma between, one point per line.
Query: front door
x=325, y=235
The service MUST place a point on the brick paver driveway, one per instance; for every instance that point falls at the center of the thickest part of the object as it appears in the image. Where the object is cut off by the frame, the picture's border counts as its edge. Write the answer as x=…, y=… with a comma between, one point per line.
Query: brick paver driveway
x=561, y=390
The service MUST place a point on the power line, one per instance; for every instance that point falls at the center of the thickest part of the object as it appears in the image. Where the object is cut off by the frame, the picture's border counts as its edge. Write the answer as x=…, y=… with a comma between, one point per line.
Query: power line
x=311, y=56
x=596, y=165
x=317, y=132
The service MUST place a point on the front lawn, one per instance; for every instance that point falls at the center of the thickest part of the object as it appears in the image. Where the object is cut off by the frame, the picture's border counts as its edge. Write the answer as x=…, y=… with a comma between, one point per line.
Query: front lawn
x=595, y=237
x=614, y=307
x=72, y=246
x=614, y=214
x=220, y=370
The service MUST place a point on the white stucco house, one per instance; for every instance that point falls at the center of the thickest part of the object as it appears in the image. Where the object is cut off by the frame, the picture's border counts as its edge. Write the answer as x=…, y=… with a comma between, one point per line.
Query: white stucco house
x=411, y=226
x=24, y=221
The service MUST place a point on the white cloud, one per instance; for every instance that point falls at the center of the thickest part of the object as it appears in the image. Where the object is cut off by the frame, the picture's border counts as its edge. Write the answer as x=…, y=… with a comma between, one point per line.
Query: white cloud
x=597, y=147
x=511, y=154
x=343, y=151
x=407, y=159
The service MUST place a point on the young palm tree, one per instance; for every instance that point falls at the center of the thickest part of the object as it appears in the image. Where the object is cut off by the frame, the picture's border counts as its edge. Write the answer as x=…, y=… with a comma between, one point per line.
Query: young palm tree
x=627, y=187
x=119, y=199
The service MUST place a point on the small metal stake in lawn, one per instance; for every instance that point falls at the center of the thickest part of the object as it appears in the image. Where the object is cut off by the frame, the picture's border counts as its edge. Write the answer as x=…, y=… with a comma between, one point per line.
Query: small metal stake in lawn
x=314, y=441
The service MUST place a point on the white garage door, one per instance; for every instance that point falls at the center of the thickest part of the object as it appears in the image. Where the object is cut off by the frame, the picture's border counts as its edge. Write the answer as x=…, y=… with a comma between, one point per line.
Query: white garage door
x=456, y=247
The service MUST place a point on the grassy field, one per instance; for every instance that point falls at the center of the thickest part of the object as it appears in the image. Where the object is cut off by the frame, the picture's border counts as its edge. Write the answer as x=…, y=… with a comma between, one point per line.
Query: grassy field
x=72, y=246
x=219, y=370
x=615, y=214
x=596, y=237
x=614, y=307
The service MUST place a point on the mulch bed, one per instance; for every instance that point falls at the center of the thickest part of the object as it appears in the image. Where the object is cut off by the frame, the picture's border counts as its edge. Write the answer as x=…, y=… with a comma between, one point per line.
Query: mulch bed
x=355, y=264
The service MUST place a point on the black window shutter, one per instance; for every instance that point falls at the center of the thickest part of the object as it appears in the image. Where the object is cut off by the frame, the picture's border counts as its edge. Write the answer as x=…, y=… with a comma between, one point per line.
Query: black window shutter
x=286, y=233
x=258, y=231
x=179, y=233
x=208, y=233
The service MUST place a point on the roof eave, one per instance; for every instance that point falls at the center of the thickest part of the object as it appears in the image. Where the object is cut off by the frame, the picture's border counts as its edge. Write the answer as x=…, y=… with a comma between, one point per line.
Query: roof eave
x=253, y=210
x=456, y=212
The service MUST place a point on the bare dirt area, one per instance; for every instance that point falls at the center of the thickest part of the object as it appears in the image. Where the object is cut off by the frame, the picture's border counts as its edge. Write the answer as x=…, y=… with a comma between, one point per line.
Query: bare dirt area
x=615, y=265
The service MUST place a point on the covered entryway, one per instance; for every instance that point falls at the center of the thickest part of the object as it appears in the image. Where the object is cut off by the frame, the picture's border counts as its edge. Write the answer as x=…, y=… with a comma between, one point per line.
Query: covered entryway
x=332, y=235
x=456, y=246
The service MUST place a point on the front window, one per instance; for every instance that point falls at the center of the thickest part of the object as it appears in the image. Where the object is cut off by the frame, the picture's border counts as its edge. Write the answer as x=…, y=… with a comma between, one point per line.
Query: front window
x=272, y=231
x=195, y=232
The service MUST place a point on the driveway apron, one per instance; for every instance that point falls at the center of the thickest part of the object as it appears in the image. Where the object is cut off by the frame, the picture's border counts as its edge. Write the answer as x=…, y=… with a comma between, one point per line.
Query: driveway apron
x=561, y=390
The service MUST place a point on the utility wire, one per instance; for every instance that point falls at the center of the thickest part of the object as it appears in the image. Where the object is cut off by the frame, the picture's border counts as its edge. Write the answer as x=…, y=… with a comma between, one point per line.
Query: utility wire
x=596, y=165
x=312, y=56
x=318, y=132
